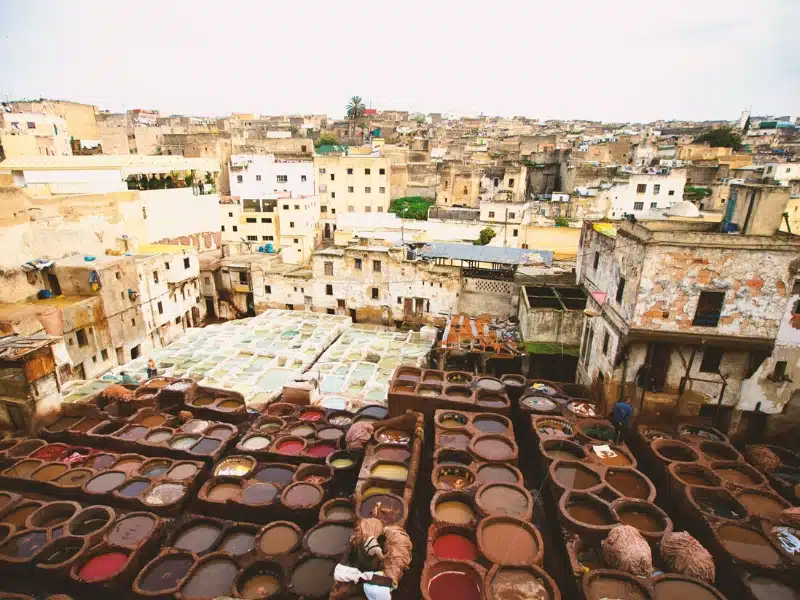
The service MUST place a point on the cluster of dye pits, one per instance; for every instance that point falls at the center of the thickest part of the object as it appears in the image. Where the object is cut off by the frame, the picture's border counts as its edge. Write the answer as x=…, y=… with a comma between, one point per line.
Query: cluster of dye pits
x=729, y=505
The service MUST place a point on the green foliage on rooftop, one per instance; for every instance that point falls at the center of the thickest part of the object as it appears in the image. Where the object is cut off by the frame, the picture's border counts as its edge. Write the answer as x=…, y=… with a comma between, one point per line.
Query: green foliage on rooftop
x=411, y=207
x=486, y=235
x=723, y=137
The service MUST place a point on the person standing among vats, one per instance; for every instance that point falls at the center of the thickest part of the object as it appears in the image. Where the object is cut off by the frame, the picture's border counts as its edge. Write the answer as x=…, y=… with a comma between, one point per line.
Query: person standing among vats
x=620, y=415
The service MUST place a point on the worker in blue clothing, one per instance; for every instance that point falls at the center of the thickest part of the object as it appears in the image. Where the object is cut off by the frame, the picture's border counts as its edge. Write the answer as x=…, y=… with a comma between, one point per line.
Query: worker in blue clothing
x=620, y=415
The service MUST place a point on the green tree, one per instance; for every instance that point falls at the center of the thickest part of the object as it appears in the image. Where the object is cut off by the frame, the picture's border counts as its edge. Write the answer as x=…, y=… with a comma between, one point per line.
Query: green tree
x=723, y=137
x=562, y=222
x=327, y=139
x=355, y=111
x=411, y=207
x=485, y=236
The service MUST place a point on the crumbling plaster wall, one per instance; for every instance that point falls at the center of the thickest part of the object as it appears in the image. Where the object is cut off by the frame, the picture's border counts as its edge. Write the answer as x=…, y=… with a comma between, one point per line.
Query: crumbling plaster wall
x=754, y=282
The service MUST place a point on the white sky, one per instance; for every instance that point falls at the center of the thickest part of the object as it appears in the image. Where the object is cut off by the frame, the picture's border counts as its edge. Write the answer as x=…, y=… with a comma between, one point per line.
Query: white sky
x=627, y=60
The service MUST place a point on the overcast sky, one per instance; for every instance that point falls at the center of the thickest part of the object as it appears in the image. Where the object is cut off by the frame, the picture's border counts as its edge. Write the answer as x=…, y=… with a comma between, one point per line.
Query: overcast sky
x=618, y=60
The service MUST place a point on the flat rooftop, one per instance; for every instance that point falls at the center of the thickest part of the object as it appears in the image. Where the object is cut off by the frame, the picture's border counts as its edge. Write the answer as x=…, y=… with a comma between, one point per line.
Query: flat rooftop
x=130, y=164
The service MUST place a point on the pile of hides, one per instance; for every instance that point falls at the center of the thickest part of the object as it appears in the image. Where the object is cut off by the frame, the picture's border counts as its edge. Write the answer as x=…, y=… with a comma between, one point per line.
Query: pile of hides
x=389, y=545
x=625, y=549
x=762, y=457
x=685, y=555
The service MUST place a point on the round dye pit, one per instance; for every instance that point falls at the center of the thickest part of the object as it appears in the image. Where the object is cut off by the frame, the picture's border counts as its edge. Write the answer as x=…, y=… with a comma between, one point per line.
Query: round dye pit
x=24, y=544
x=560, y=449
x=203, y=401
x=158, y=435
x=276, y=475
x=392, y=436
x=700, y=433
x=508, y=542
x=599, y=430
x=717, y=502
x=557, y=428
x=695, y=475
x=63, y=424
x=574, y=475
x=748, y=545
x=454, y=511
x=127, y=465
x=629, y=483
x=763, y=504
x=674, y=451
x=222, y=492
x=496, y=473
x=24, y=468
x=539, y=404
x=211, y=578
x=60, y=551
x=90, y=520
x=321, y=449
x=103, y=566
x=131, y=530
x=74, y=478
x=744, y=475
x=719, y=451
x=236, y=466
x=388, y=508
x=198, y=538
x=48, y=472
x=330, y=434
x=105, y=482
x=229, y=405
x=165, y=493
x=300, y=495
x=195, y=426
x=102, y=461
x=589, y=512
x=603, y=585
x=493, y=448
x=19, y=515
x=220, y=432
x=454, y=546
x=164, y=573
x=491, y=400
x=51, y=452
x=87, y=425
x=390, y=471
x=312, y=415
x=133, y=433
x=644, y=516
x=237, y=543
x=153, y=420
x=256, y=442
x=259, y=583
x=504, y=499
x=767, y=588
x=453, y=477
x=677, y=588
x=490, y=424
x=182, y=471
x=313, y=577
x=304, y=430
x=454, y=440
x=132, y=489
x=259, y=493
x=154, y=468
x=339, y=511
x=452, y=420
x=289, y=446
x=328, y=539
x=509, y=583
x=278, y=539
x=342, y=462
x=53, y=514
x=614, y=457
x=455, y=582
x=183, y=442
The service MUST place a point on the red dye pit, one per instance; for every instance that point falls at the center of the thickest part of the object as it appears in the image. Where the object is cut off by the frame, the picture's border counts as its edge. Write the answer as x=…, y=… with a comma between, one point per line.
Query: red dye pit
x=452, y=545
x=320, y=450
x=103, y=566
x=311, y=416
x=290, y=447
x=453, y=584
x=50, y=453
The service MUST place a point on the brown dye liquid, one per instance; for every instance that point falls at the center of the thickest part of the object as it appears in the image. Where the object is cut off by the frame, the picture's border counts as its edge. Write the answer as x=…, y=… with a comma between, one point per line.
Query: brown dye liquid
x=587, y=513
x=735, y=476
x=219, y=433
x=394, y=454
x=49, y=472
x=24, y=468
x=302, y=494
x=386, y=508
x=676, y=589
x=518, y=584
x=748, y=545
x=131, y=530
x=453, y=478
x=198, y=538
x=128, y=465
x=213, y=578
x=87, y=424
x=617, y=589
x=278, y=540
x=504, y=542
x=494, y=449
x=504, y=500
x=182, y=471
x=74, y=478
x=166, y=573
x=618, y=460
x=576, y=478
x=762, y=505
x=259, y=493
x=329, y=539
x=641, y=520
x=765, y=588
x=563, y=454
x=153, y=420
x=628, y=484
x=238, y=543
x=260, y=586
x=692, y=478
x=496, y=474
x=20, y=515
x=314, y=577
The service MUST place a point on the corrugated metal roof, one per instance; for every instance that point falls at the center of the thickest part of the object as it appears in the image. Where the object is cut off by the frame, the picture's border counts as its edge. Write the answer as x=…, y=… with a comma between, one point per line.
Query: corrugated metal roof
x=14, y=347
x=487, y=254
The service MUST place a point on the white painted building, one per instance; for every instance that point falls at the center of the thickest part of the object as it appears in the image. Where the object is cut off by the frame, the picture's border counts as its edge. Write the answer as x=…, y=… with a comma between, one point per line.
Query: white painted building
x=782, y=173
x=641, y=194
x=50, y=131
x=258, y=176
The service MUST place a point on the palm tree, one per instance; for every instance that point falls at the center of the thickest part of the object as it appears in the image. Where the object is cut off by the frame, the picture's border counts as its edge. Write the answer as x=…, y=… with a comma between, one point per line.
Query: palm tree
x=355, y=111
